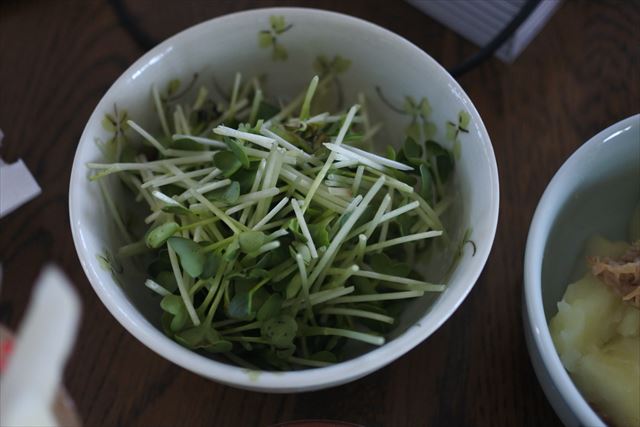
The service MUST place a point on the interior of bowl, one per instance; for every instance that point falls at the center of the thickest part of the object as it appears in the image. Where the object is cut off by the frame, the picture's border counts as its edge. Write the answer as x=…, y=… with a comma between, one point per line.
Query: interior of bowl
x=602, y=191
x=382, y=66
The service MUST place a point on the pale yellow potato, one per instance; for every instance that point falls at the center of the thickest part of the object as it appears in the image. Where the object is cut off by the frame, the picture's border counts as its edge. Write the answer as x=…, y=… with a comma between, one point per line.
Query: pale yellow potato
x=598, y=339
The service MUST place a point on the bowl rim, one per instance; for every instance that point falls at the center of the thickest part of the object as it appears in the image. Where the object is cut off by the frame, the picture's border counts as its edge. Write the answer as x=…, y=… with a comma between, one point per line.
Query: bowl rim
x=289, y=381
x=535, y=322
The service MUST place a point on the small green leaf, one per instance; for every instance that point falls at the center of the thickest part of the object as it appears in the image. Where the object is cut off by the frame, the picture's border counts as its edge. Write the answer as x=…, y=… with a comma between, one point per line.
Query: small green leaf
x=187, y=145
x=280, y=331
x=167, y=280
x=270, y=308
x=190, y=254
x=211, y=264
x=241, y=306
x=156, y=237
x=264, y=39
x=227, y=195
x=227, y=162
x=245, y=177
x=391, y=152
x=426, y=183
x=319, y=234
x=238, y=151
x=412, y=150
x=381, y=263
x=251, y=241
x=174, y=305
x=203, y=337
x=231, y=251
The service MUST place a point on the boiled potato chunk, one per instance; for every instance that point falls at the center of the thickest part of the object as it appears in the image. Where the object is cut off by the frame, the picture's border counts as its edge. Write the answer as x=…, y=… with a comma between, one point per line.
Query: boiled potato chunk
x=598, y=339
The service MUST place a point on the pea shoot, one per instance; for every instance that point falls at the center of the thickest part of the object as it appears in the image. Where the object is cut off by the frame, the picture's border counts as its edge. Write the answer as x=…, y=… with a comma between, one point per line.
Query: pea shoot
x=273, y=235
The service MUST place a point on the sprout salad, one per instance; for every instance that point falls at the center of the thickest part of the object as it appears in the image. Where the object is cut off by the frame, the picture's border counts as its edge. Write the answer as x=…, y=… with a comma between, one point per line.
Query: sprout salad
x=274, y=236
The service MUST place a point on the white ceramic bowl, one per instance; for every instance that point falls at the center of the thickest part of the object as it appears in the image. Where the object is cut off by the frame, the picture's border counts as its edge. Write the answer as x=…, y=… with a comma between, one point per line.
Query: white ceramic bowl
x=225, y=45
x=594, y=191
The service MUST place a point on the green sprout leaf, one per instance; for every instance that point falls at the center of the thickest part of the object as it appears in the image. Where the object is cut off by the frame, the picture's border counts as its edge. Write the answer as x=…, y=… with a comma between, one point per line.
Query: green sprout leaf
x=190, y=254
x=241, y=306
x=227, y=195
x=174, y=305
x=270, y=308
x=156, y=237
x=280, y=331
x=227, y=162
x=381, y=263
x=251, y=241
x=238, y=151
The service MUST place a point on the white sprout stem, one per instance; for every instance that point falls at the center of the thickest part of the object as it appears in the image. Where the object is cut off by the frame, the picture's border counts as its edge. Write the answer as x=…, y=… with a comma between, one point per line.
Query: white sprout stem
x=381, y=218
x=277, y=234
x=229, y=113
x=320, y=297
x=349, y=299
x=186, y=194
x=181, y=287
x=262, y=141
x=157, y=288
x=304, y=283
x=355, y=187
x=253, y=152
x=378, y=159
x=339, y=311
x=153, y=165
x=218, y=212
x=269, y=247
x=260, y=225
x=200, y=140
x=162, y=180
x=342, y=278
x=304, y=228
x=306, y=105
x=424, y=286
x=235, y=91
x=147, y=136
x=213, y=186
x=344, y=230
x=254, y=187
x=289, y=146
x=347, y=333
x=200, y=98
x=386, y=202
x=343, y=154
x=255, y=106
x=145, y=194
x=404, y=239
x=323, y=172
x=183, y=120
x=160, y=110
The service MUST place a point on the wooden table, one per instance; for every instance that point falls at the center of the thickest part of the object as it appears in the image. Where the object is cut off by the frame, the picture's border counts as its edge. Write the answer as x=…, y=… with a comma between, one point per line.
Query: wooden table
x=57, y=58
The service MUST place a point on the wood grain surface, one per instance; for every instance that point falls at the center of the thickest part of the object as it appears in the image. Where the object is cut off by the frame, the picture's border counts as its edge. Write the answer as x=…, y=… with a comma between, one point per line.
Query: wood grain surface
x=57, y=58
